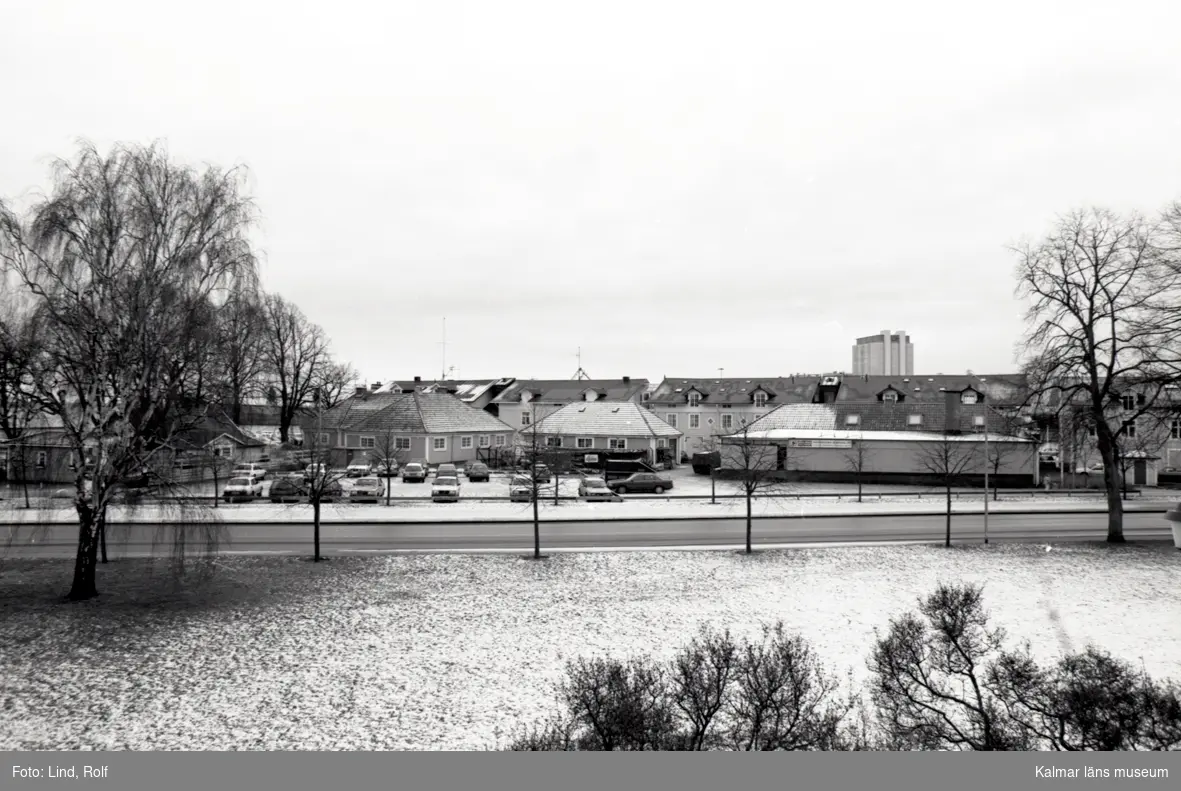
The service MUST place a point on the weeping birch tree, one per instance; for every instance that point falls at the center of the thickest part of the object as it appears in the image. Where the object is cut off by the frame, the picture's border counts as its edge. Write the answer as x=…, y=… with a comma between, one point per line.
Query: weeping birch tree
x=126, y=263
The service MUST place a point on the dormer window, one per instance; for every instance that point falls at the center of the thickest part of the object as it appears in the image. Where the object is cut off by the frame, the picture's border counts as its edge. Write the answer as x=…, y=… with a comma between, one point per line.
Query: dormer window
x=590, y=395
x=396, y=390
x=526, y=397
x=1128, y=402
x=968, y=397
x=890, y=395
x=760, y=399
x=694, y=399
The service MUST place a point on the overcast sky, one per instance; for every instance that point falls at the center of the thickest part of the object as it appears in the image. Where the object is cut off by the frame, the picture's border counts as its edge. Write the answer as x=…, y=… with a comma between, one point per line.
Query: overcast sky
x=673, y=187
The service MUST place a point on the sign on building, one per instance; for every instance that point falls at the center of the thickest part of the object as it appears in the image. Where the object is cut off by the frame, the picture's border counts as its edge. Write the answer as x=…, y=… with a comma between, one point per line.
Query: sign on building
x=820, y=443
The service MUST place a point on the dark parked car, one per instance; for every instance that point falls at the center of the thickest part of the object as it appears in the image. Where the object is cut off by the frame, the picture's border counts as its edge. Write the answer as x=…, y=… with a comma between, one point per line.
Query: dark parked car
x=641, y=482
x=447, y=471
x=288, y=489
x=477, y=471
x=331, y=491
x=540, y=472
x=413, y=472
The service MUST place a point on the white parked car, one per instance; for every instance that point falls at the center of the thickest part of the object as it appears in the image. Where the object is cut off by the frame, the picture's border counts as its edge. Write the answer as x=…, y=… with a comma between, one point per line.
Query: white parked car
x=358, y=469
x=368, y=490
x=242, y=487
x=520, y=489
x=596, y=489
x=445, y=489
x=250, y=470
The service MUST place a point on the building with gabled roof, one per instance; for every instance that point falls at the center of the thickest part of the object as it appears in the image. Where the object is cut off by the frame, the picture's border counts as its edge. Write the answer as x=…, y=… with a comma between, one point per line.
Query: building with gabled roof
x=604, y=425
x=478, y=393
x=529, y=400
x=432, y=427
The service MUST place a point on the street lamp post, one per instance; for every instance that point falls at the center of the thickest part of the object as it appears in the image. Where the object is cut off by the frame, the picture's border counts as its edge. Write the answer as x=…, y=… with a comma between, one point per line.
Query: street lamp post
x=987, y=461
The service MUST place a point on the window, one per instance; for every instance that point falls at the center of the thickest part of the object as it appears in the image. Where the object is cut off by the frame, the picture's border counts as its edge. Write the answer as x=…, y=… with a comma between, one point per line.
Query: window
x=401, y=443
x=617, y=444
x=485, y=441
x=727, y=421
x=1130, y=428
x=968, y=397
x=978, y=420
x=42, y=458
x=324, y=439
x=694, y=421
x=368, y=442
x=396, y=390
x=439, y=443
x=1141, y=399
x=671, y=419
x=500, y=440
x=694, y=399
x=465, y=442
x=662, y=443
x=760, y=399
x=553, y=442
x=1175, y=431
x=647, y=396
x=852, y=420
x=890, y=395
x=584, y=442
x=1129, y=402
x=524, y=418
x=914, y=420
x=1091, y=432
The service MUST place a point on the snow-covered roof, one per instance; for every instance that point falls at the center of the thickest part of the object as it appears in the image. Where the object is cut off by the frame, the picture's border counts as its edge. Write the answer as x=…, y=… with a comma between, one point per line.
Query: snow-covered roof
x=885, y=436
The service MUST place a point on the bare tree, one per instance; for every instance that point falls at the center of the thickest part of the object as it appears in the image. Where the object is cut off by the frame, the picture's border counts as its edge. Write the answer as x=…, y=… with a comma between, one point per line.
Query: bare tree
x=20, y=355
x=123, y=264
x=858, y=461
x=930, y=676
x=322, y=481
x=531, y=450
x=333, y=381
x=755, y=464
x=238, y=352
x=947, y=460
x=297, y=360
x=390, y=456
x=997, y=454
x=1102, y=319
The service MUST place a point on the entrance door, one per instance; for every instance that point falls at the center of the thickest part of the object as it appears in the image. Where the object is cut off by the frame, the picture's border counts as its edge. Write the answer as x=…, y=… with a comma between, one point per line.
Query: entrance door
x=1140, y=471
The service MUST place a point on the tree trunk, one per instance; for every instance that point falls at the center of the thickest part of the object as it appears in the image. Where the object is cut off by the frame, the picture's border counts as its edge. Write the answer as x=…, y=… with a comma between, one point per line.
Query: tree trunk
x=536, y=526
x=102, y=532
x=86, y=560
x=316, y=526
x=713, y=488
x=1115, y=506
x=389, y=486
x=749, y=549
x=858, y=487
x=947, y=536
x=216, y=493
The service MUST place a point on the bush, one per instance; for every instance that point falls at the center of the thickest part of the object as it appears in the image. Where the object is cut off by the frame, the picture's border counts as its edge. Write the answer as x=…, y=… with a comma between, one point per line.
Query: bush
x=941, y=679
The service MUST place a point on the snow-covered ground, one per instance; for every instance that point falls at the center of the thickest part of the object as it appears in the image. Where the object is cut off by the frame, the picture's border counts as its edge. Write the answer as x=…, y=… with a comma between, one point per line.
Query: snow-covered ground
x=455, y=651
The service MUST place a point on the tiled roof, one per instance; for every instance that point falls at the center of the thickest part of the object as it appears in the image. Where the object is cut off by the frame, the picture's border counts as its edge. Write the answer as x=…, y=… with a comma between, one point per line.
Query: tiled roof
x=900, y=436
x=997, y=388
x=604, y=419
x=780, y=390
x=412, y=412
x=465, y=390
x=551, y=391
x=798, y=416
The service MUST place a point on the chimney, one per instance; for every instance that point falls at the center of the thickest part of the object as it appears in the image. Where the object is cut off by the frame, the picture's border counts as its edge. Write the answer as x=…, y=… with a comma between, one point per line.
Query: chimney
x=418, y=378
x=375, y=386
x=627, y=380
x=359, y=390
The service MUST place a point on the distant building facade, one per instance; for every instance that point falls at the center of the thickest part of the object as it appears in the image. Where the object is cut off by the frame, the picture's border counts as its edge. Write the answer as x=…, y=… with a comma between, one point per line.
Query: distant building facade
x=885, y=354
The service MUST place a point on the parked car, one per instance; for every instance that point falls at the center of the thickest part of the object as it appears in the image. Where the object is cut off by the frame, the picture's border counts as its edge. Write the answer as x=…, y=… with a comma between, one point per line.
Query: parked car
x=386, y=468
x=414, y=473
x=477, y=471
x=242, y=488
x=251, y=469
x=447, y=471
x=520, y=489
x=369, y=489
x=359, y=469
x=288, y=489
x=642, y=482
x=314, y=471
x=445, y=489
x=596, y=489
x=541, y=472
x=331, y=491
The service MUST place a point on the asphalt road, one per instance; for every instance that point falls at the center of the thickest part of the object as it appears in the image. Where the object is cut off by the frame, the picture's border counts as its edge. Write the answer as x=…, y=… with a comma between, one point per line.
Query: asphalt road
x=140, y=540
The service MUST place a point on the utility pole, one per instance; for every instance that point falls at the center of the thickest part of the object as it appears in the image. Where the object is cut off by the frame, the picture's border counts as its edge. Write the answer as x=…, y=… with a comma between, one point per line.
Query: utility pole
x=580, y=374
x=987, y=460
x=443, y=373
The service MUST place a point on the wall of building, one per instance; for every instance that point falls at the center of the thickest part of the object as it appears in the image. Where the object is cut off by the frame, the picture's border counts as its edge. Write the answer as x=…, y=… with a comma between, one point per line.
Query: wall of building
x=699, y=439
x=510, y=412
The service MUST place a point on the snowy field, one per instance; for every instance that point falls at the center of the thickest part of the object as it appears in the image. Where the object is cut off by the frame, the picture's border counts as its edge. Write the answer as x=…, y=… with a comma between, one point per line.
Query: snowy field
x=456, y=651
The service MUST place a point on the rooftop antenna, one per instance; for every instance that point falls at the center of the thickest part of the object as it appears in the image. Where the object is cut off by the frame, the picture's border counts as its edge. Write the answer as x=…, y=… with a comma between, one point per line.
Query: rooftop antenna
x=720, y=371
x=580, y=374
x=443, y=373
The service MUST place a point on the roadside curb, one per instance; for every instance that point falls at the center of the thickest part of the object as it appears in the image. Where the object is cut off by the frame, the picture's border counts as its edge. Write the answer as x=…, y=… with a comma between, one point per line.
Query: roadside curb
x=550, y=521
